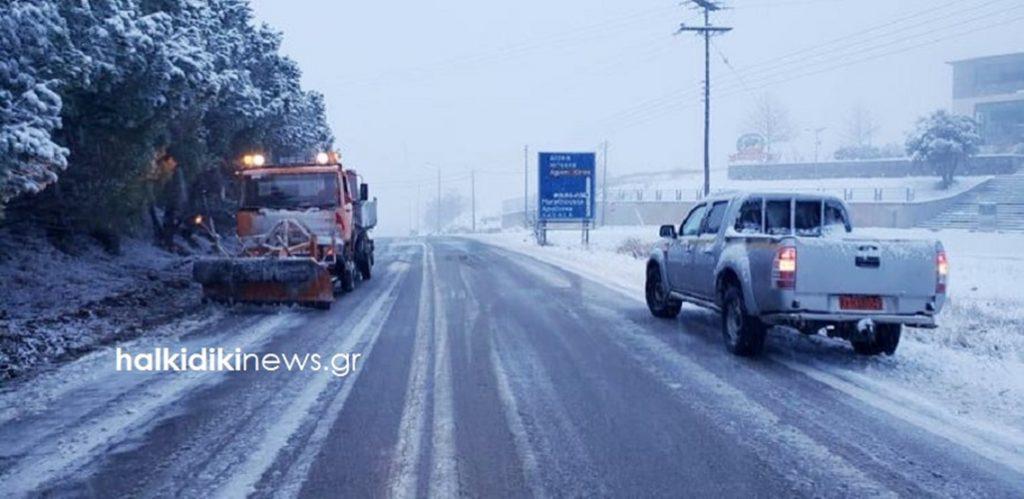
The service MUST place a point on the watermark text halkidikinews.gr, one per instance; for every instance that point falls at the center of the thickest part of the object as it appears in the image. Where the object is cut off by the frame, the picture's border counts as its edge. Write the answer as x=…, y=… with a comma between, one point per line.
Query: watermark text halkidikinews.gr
x=163, y=359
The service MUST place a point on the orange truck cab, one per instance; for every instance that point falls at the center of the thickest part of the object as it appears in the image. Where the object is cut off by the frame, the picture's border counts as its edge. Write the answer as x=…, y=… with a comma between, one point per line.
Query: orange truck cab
x=304, y=229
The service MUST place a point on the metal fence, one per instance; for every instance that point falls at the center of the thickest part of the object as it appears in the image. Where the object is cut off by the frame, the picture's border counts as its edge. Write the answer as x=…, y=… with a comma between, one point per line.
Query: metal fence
x=849, y=194
x=852, y=194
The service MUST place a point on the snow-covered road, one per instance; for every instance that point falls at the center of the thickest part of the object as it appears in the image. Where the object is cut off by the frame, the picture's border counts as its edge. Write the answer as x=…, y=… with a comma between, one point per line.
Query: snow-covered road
x=487, y=372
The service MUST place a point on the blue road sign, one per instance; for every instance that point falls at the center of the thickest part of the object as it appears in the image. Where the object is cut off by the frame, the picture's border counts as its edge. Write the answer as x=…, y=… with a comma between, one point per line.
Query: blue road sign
x=566, y=186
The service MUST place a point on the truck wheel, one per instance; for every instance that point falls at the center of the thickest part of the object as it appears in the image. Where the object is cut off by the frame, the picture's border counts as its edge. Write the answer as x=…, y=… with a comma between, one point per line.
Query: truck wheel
x=744, y=334
x=347, y=276
x=365, y=270
x=658, y=301
x=887, y=338
x=364, y=262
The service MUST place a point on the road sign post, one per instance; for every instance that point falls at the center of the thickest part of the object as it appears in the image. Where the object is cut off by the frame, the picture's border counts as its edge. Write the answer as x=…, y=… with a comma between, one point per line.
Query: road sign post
x=565, y=193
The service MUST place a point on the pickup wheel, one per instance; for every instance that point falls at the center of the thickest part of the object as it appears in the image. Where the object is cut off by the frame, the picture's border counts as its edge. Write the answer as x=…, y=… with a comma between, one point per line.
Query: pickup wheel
x=658, y=300
x=744, y=334
x=887, y=338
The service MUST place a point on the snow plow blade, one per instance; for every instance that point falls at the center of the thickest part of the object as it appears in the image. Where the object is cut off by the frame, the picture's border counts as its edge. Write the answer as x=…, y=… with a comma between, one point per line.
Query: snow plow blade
x=265, y=280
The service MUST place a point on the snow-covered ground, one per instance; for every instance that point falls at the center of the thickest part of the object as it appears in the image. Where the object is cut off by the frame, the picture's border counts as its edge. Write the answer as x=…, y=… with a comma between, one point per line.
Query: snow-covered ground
x=964, y=380
x=54, y=304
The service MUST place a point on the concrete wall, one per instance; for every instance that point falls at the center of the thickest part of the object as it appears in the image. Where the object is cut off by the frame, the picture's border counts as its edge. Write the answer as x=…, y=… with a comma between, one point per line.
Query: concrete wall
x=979, y=165
x=900, y=215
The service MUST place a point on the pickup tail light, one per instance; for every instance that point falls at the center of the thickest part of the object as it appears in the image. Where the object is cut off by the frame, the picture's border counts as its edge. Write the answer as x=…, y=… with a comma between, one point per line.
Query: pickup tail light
x=941, y=272
x=784, y=268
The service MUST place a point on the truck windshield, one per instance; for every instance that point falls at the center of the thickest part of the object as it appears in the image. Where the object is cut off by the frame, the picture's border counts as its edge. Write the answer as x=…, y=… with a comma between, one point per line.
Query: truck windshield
x=289, y=191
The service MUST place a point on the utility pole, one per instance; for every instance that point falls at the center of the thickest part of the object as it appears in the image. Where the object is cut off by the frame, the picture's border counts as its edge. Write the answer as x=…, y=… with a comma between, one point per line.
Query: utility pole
x=472, y=190
x=526, y=186
x=817, y=140
x=604, y=186
x=438, y=200
x=707, y=30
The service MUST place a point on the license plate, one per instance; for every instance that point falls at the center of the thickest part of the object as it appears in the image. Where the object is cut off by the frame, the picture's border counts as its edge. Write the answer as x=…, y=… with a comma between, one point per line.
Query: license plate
x=856, y=302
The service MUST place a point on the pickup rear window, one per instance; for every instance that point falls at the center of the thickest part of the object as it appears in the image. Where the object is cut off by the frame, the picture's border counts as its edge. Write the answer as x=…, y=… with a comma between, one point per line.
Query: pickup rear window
x=835, y=217
x=778, y=218
x=749, y=219
x=808, y=218
x=802, y=217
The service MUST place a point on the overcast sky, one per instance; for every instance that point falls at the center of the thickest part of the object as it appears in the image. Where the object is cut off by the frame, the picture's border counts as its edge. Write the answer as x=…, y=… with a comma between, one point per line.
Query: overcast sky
x=413, y=87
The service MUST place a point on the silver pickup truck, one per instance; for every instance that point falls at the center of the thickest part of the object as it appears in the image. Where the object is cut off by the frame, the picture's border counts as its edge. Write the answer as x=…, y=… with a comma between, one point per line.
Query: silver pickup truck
x=780, y=259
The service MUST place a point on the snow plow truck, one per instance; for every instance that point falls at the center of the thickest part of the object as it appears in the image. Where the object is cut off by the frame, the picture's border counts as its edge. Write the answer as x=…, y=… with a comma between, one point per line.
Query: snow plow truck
x=304, y=230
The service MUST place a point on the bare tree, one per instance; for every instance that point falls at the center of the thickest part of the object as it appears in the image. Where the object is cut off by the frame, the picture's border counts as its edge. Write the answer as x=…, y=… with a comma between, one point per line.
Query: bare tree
x=859, y=127
x=452, y=206
x=770, y=119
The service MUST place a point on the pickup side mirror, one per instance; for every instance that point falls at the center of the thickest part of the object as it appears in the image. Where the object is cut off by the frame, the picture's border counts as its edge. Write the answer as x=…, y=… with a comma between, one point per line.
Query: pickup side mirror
x=668, y=231
x=364, y=192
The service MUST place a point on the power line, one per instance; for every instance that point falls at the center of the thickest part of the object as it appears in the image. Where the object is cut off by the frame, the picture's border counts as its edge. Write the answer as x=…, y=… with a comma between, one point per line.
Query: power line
x=561, y=39
x=659, y=106
x=739, y=77
x=814, y=51
x=673, y=107
x=799, y=57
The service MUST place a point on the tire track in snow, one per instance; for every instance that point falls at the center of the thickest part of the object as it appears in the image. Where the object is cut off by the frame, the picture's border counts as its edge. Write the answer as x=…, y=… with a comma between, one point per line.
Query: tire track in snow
x=999, y=443
x=520, y=438
x=812, y=457
x=427, y=352
x=995, y=442
x=366, y=331
x=298, y=471
x=78, y=445
x=403, y=475
x=444, y=479
x=809, y=465
x=547, y=432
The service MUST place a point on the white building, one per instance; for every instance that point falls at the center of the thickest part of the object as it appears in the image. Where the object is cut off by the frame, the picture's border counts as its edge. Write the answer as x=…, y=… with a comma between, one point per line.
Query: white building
x=991, y=89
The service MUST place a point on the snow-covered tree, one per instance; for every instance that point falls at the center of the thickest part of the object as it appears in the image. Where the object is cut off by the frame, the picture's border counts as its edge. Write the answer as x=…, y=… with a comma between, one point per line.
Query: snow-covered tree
x=34, y=52
x=302, y=128
x=128, y=102
x=944, y=141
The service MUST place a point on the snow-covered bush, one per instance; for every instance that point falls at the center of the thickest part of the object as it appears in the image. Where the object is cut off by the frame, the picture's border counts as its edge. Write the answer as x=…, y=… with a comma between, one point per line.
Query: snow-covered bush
x=634, y=247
